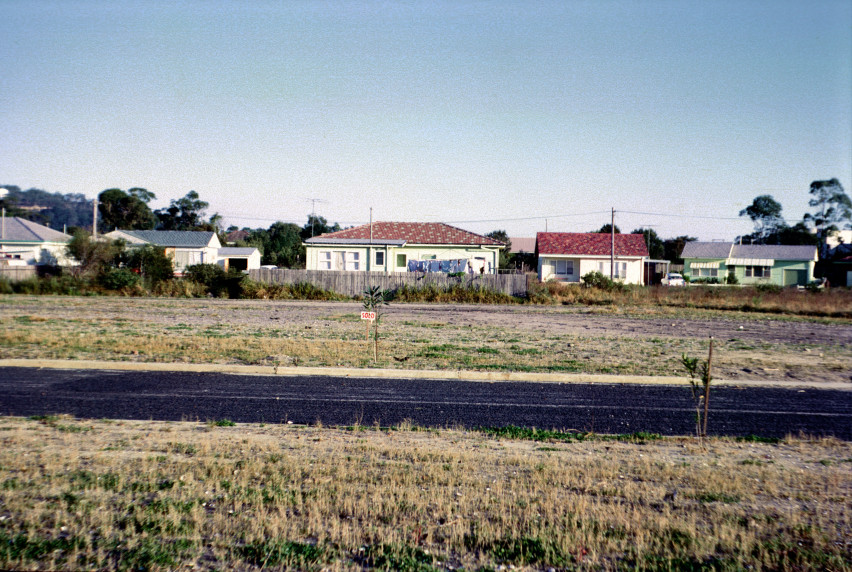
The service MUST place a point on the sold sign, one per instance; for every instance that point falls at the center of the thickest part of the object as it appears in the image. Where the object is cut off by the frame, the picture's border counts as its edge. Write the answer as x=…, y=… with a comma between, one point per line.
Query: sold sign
x=368, y=316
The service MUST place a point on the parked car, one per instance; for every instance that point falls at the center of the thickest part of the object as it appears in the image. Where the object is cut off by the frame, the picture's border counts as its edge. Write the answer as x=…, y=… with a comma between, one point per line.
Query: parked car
x=673, y=279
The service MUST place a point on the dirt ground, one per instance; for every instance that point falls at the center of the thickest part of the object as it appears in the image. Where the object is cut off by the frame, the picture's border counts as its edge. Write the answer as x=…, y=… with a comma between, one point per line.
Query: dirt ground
x=649, y=341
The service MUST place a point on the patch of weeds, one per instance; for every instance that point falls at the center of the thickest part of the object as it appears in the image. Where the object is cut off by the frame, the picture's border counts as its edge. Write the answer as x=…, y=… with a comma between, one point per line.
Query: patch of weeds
x=487, y=350
x=393, y=557
x=758, y=439
x=755, y=462
x=183, y=448
x=531, y=433
x=280, y=553
x=222, y=423
x=825, y=462
x=527, y=550
x=149, y=553
x=23, y=548
x=715, y=497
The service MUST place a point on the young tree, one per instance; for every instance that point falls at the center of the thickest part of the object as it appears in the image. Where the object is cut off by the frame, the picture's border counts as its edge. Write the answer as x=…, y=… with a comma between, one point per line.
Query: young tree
x=92, y=256
x=765, y=213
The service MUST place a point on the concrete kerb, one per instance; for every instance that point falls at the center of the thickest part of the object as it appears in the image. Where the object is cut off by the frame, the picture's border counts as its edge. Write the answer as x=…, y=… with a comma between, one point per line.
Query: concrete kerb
x=474, y=376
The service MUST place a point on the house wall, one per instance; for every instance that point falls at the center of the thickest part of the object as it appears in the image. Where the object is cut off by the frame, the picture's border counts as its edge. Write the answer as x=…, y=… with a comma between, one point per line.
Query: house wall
x=49, y=253
x=547, y=265
x=803, y=270
x=252, y=261
x=394, y=255
x=183, y=257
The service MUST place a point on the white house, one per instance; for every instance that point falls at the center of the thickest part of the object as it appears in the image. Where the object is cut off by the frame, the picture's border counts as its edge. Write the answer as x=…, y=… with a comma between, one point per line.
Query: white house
x=26, y=242
x=403, y=247
x=567, y=256
x=184, y=247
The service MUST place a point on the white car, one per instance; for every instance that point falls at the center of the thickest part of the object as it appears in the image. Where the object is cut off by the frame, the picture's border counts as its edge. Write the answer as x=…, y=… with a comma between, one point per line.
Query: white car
x=673, y=279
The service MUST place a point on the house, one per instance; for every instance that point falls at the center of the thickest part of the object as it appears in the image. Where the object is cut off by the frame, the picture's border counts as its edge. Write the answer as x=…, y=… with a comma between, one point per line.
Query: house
x=391, y=246
x=750, y=263
x=25, y=242
x=231, y=258
x=184, y=247
x=236, y=236
x=567, y=256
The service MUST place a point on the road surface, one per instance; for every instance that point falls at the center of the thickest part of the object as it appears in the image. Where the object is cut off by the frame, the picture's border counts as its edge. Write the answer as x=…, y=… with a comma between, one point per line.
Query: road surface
x=596, y=407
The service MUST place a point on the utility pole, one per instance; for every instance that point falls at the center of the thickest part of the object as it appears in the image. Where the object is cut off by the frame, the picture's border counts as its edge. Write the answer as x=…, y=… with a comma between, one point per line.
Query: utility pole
x=612, y=247
x=95, y=219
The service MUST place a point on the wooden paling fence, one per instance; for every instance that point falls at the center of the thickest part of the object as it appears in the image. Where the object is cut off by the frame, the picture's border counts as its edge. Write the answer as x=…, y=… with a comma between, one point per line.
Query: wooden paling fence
x=17, y=273
x=354, y=283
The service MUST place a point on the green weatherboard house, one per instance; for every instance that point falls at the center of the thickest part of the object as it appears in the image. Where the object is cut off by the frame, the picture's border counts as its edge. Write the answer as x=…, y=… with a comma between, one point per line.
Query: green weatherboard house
x=750, y=263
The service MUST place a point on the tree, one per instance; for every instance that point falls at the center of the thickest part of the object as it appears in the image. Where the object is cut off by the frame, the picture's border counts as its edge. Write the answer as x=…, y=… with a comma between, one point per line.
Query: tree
x=93, y=256
x=656, y=250
x=152, y=263
x=505, y=255
x=280, y=245
x=607, y=229
x=186, y=213
x=799, y=233
x=833, y=208
x=126, y=210
x=765, y=213
x=316, y=226
x=673, y=248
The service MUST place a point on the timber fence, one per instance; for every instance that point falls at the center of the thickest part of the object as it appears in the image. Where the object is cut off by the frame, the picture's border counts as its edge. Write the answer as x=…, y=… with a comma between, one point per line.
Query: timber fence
x=354, y=283
x=17, y=273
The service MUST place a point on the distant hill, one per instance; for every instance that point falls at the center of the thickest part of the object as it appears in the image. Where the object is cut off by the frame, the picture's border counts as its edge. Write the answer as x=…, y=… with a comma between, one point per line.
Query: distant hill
x=50, y=209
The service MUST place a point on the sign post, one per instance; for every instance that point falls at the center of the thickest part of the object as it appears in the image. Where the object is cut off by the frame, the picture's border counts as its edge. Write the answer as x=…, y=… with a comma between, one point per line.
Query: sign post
x=369, y=317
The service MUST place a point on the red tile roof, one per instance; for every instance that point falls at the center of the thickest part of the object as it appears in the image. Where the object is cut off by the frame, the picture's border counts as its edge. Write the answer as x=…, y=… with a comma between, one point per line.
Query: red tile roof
x=414, y=233
x=590, y=243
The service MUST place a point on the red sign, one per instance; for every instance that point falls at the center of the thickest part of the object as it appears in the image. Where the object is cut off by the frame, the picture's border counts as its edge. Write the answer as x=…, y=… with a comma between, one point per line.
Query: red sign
x=368, y=316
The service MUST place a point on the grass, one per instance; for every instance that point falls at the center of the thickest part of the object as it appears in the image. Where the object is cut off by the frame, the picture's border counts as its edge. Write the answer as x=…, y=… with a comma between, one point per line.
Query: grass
x=249, y=496
x=294, y=334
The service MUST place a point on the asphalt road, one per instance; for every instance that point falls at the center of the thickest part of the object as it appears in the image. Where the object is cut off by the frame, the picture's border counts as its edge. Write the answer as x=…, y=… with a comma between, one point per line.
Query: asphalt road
x=597, y=407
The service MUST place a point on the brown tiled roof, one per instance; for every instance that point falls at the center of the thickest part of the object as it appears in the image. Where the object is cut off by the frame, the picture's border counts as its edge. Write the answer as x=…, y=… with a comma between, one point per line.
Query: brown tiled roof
x=414, y=233
x=590, y=243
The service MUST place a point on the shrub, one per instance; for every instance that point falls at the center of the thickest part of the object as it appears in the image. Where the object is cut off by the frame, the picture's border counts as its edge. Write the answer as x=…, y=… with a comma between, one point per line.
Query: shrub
x=218, y=282
x=117, y=278
x=598, y=280
x=768, y=288
x=731, y=279
x=152, y=263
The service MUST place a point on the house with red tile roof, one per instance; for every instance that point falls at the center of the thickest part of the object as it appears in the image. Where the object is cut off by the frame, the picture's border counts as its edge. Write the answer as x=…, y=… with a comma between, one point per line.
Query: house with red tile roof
x=567, y=256
x=391, y=246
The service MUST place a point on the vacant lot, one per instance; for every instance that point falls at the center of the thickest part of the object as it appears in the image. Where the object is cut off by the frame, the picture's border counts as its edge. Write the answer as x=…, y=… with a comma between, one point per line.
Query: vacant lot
x=644, y=341
x=82, y=494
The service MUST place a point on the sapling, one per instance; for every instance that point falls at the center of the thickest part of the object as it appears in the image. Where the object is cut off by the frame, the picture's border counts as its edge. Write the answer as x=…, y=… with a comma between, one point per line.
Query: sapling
x=700, y=371
x=374, y=299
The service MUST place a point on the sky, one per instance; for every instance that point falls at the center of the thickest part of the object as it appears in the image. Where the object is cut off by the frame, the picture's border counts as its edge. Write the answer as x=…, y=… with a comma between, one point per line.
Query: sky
x=519, y=116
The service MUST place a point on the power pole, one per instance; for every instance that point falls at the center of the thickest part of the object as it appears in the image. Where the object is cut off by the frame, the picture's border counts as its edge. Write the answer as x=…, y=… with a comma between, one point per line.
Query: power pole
x=314, y=213
x=612, y=247
x=95, y=220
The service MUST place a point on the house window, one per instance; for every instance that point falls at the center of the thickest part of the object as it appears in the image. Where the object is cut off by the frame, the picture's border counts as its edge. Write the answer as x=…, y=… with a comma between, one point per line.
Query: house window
x=620, y=270
x=708, y=272
x=351, y=261
x=565, y=267
x=380, y=258
x=401, y=261
x=324, y=260
x=758, y=271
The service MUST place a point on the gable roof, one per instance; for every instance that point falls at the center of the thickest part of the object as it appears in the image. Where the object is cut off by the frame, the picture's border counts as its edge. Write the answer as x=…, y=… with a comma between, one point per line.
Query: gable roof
x=174, y=238
x=22, y=230
x=728, y=251
x=590, y=244
x=718, y=250
x=406, y=232
x=236, y=235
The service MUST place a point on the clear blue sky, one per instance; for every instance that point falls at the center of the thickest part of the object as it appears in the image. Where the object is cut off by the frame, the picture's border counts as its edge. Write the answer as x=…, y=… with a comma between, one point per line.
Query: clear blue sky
x=474, y=113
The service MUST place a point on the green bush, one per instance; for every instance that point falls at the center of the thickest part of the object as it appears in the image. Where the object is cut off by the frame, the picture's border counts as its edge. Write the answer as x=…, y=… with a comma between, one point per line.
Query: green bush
x=598, y=280
x=731, y=279
x=117, y=278
x=152, y=263
x=218, y=282
x=767, y=288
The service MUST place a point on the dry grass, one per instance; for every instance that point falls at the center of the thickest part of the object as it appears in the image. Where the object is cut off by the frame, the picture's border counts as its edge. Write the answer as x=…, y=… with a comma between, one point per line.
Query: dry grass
x=273, y=333
x=119, y=494
x=835, y=302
